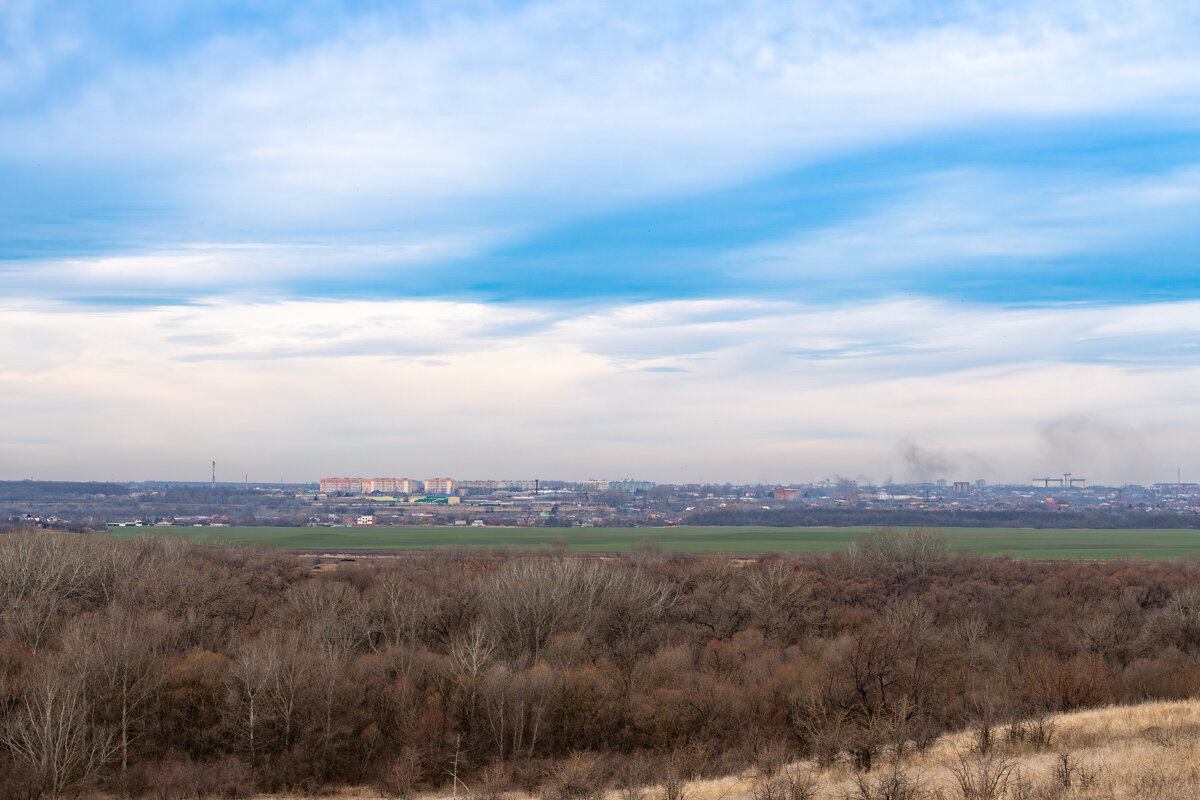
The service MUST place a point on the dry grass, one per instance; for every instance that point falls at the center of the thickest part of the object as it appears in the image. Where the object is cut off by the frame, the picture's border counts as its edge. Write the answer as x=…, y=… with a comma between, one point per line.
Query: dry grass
x=1143, y=752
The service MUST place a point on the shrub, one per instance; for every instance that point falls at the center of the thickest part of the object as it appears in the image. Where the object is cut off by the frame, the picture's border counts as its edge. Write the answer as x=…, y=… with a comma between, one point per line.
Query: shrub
x=893, y=783
x=399, y=777
x=184, y=779
x=1036, y=734
x=785, y=785
x=492, y=782
x=675, y=778
x=580, y=777
x=985, y=778
x=631, y=780
x=674, y=787
x=1069, y=772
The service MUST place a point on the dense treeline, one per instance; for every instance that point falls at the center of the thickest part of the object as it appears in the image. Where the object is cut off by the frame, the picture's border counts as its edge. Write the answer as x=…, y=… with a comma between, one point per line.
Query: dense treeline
x=1005, y=518
x=47, y=491
x=154, y=668
x=90, y=506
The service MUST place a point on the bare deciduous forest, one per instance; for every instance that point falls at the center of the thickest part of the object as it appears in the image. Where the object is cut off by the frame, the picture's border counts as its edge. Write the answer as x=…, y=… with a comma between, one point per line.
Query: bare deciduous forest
x=153, y=668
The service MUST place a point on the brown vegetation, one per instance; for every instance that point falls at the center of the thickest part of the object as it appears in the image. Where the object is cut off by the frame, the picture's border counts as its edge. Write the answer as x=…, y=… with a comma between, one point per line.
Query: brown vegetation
x=157, y=669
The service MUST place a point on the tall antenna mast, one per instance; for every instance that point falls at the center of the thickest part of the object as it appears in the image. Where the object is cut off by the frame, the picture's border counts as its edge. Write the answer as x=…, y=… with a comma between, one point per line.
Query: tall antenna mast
x=214, y=475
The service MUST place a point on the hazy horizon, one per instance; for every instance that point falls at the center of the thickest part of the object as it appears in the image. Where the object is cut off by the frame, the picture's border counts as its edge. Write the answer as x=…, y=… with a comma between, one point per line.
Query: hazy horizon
x=861, y=479
x=758, y=243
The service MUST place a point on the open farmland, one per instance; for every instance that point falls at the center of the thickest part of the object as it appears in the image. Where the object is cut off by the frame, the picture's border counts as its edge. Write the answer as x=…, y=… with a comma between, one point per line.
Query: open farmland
x=1019, y=542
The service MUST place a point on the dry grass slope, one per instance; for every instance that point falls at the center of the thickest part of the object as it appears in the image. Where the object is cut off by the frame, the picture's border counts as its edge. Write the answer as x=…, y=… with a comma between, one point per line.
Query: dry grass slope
x=1143, y=752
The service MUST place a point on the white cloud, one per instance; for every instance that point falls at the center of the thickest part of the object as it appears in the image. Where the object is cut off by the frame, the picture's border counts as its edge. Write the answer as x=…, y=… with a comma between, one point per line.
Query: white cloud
x=424, y=145
x=953, y=220
x=207, y=269
x=379, y=123
x=751, y=391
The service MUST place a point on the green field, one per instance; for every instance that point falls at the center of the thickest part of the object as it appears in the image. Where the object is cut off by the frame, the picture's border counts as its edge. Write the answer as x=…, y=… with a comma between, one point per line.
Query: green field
x=1019, y=542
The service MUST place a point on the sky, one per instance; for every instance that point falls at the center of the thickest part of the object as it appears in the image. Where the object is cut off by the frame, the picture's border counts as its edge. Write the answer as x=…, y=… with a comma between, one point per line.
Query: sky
x=750, y=241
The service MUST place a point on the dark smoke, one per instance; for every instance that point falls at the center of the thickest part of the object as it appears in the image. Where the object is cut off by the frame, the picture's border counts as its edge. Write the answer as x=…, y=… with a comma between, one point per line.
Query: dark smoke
x=923, y=463
x=1085, y=443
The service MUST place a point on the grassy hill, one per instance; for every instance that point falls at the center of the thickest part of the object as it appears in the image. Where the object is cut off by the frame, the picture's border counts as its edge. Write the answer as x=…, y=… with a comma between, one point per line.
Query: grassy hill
x=1140, y=752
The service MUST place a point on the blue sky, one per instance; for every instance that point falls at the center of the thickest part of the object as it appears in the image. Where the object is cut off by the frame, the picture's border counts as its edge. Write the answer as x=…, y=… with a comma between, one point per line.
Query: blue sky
x=689, y=241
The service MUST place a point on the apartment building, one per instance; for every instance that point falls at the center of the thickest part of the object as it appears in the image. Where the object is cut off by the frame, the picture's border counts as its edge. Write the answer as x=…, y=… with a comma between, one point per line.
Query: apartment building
x=439, y=486
x=369, y=486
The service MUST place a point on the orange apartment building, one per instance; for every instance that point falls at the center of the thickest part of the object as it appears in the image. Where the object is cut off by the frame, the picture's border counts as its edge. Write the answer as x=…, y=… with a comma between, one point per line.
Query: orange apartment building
x=439, y=486
x=369, y=485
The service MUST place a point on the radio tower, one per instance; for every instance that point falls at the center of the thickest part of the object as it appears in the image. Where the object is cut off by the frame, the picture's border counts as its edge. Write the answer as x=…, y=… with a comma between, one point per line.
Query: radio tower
x=214, y=475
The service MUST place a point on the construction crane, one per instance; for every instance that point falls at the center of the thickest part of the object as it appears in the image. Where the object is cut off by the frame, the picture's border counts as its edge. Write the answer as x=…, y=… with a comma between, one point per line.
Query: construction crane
x=1065, y=482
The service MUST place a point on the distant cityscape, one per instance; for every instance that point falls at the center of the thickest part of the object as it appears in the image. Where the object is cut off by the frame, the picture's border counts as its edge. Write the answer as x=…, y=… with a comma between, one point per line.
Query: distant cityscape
x=394, y=501
x=449, y=486
x=598, y=502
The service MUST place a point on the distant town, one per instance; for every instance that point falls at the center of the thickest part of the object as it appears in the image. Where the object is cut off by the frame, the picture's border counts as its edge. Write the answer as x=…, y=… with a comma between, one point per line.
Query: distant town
x=1064, y=501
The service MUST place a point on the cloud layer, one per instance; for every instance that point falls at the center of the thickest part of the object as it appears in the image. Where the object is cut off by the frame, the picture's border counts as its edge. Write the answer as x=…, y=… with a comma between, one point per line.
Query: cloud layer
x=685, y=390
x=722, y=241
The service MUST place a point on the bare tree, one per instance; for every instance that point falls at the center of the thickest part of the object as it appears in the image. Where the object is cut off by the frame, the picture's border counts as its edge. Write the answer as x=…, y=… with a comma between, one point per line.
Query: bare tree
x=627, y=619
x=401, y=607
x=40, y=575
x=254, y=669
x=152, y=570
x=528, y=601
x=52, y=733
x=472, y=653
x=119, y=652
x=286, y=682
x=884, y=682
x=470, y=657
x=515, y=705
x=334, y=612
x=914, y=549
x=778, y=596
x=330, y=665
